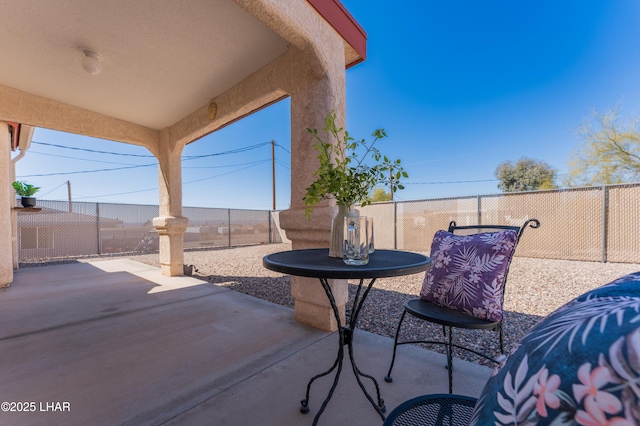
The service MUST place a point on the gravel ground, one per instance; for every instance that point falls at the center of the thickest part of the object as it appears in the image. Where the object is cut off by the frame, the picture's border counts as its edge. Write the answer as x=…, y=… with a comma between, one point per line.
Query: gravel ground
x=535, y=288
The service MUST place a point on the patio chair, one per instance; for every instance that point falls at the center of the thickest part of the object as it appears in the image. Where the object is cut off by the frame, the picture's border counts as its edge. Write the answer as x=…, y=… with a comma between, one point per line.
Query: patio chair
x=432, y=410
x=579, y=365
x=465, y=286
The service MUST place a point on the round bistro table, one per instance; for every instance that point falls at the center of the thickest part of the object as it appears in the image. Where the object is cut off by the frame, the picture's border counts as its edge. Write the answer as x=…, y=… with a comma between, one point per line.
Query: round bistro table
x=316, y=263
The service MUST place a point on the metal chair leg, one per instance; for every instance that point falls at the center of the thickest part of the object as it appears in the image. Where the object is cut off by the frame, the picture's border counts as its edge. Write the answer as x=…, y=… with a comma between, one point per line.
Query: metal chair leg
x=447, y=342
x=450, y=360
x=388, y=377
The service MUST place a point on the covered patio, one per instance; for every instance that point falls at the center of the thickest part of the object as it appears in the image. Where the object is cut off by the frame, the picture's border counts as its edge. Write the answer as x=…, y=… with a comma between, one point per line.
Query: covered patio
x=161, y=75
x=121, y=343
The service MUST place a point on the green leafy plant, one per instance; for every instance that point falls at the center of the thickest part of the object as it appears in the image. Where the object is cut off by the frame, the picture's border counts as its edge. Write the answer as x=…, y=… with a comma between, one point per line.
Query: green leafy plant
x=345, y=173
x=24, y=189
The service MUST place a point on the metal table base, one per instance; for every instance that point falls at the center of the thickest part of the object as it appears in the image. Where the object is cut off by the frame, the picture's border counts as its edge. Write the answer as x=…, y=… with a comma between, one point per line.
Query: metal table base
x=345, y=338
x=316, y=263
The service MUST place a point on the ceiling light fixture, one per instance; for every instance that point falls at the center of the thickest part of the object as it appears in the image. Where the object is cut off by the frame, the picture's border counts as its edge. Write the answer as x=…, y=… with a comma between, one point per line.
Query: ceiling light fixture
x=91, y=62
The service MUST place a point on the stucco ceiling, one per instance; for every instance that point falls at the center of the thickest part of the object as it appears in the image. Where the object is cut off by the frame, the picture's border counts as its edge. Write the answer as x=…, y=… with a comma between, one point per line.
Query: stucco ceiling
x=162, y=59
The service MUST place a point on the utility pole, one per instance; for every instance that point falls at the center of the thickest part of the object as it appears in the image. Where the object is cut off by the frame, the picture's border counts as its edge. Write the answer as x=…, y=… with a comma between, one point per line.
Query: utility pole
x=69, y=194
x=273, y=172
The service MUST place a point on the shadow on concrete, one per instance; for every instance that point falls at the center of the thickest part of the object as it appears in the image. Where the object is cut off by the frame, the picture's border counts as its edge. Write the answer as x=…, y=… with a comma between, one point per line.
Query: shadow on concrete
x=121, y=344
x=381, y=314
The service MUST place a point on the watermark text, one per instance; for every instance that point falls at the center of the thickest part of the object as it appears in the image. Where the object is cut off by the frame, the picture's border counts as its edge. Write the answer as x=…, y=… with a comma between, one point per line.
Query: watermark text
x=33, y=406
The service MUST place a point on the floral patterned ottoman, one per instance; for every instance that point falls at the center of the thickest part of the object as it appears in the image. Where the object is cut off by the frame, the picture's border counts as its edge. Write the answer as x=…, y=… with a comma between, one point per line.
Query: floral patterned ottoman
x=578, y=366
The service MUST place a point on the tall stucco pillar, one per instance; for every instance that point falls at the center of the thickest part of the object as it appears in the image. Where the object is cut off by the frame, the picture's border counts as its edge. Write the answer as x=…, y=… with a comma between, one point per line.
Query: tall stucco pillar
x=170, y=224
x=6, y=197
x=311, y=100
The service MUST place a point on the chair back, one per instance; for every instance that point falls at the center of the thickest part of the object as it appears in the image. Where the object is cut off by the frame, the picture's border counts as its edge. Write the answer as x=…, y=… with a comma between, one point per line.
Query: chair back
x=464, y=288
x=476, y=229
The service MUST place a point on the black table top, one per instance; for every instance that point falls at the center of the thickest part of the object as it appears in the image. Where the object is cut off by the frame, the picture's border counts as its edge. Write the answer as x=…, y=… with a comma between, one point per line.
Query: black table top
x=316, y=263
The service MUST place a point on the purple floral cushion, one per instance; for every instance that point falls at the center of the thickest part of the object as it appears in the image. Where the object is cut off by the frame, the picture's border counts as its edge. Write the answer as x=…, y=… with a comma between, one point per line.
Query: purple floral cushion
x=578, y=366
x=468, y=272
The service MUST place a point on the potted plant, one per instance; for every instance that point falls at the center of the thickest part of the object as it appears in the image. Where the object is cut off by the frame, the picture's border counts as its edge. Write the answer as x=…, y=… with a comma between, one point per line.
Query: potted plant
x=26, y=191
x=348, y=172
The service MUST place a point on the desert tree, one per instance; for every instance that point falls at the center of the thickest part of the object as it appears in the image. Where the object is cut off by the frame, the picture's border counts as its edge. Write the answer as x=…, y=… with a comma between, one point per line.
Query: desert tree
x=525, y=175
x=609, y=152
x=379, y=194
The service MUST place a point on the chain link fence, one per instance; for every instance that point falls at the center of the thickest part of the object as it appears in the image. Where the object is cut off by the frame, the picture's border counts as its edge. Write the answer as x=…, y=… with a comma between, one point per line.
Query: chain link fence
x=599, y=224
x=62, y=229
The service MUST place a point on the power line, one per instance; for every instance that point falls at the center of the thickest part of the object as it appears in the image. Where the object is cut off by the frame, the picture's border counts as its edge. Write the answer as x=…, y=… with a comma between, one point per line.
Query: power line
x=463, y=181
x=233, y=151
x=226, y=165
x=283, y=164
x=93, y=150
x=63, y=183
x=184, y=183
x=185, y=157
x=457, y=181
x=87, y=171
x=283, y=148
x=223, y=174
x=119, y=193
x=77, y=158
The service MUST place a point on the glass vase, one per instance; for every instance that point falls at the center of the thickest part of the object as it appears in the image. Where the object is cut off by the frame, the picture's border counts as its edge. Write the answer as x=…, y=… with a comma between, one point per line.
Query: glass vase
x=336, y=245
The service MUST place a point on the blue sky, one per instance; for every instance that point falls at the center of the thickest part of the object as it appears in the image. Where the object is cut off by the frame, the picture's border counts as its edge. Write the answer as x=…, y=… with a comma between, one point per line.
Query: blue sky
x=459, y=87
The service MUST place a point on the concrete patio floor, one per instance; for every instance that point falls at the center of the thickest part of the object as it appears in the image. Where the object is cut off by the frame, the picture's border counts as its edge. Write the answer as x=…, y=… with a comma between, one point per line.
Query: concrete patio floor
x=115, y=342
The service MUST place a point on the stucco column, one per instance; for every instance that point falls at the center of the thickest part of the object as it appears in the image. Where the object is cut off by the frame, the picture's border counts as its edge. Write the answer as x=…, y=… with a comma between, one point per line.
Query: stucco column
x=6, y=197
x=311, y=100
x=170, y=224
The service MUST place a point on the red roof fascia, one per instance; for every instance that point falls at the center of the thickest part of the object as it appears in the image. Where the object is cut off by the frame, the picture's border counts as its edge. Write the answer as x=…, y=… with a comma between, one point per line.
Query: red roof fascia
x=15, y=134
x=335, y=14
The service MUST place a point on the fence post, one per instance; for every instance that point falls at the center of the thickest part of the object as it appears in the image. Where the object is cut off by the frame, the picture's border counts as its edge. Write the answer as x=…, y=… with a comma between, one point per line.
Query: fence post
x=229, y=224
x=269, y=223
x=395, y=225
x=605, y=221
x=479, y=210
x=98, y=227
